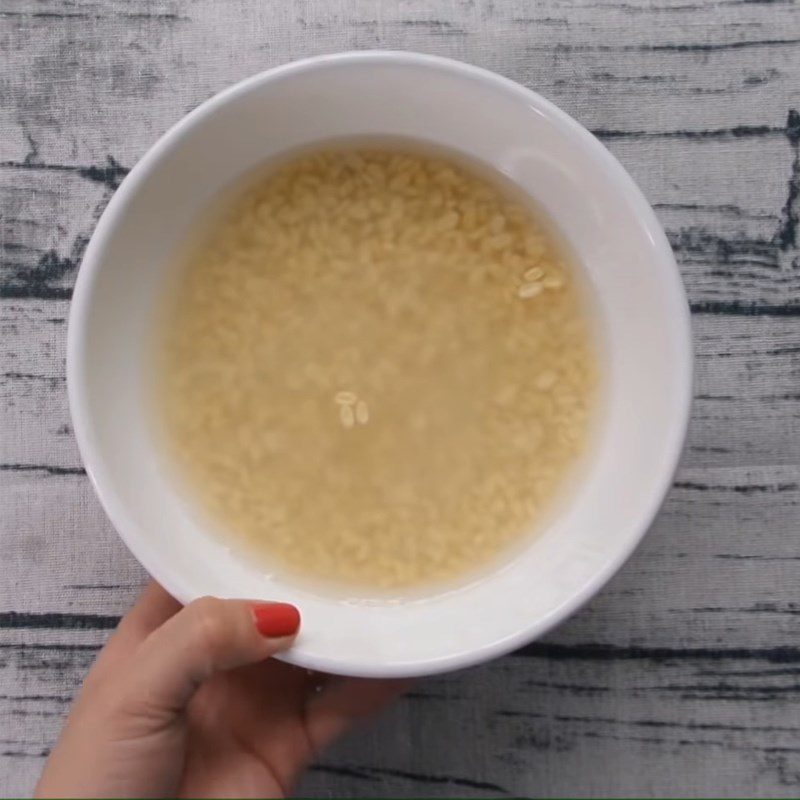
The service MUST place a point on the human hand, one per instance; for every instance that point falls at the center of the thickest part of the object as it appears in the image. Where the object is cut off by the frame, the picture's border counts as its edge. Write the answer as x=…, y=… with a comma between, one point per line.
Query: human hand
x=185, y=702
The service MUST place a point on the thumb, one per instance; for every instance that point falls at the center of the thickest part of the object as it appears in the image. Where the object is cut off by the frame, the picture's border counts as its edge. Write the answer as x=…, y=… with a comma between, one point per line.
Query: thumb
x=209, y=635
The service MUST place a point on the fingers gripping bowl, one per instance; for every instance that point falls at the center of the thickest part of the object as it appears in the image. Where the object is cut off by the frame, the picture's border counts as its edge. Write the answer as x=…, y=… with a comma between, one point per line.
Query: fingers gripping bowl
x=615, y=237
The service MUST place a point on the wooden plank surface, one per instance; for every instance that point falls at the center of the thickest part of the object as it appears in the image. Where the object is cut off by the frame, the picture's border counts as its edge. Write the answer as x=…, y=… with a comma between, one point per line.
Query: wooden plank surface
x=682, y=677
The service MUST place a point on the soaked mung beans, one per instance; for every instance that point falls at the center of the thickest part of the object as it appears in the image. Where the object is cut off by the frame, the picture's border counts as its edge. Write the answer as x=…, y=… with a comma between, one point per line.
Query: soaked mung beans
x=377, y=369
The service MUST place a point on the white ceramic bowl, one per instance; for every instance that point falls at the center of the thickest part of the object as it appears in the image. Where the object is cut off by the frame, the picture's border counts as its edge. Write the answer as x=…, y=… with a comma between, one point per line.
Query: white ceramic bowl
x=584, y=189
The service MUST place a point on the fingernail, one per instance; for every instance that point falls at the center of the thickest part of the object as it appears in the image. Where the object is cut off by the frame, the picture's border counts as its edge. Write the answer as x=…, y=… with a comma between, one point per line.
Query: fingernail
x=276, y=619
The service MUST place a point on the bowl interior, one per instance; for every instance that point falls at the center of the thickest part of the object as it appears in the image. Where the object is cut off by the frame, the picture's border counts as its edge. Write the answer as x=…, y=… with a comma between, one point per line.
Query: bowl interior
x=596, y=206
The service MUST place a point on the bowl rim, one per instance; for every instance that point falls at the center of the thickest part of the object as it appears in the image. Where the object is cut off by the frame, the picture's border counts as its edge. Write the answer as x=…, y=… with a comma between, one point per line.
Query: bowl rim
x=674, y=297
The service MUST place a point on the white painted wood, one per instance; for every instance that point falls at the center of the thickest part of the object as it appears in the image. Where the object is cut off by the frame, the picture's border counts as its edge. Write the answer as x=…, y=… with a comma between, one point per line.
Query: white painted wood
x=682, y=677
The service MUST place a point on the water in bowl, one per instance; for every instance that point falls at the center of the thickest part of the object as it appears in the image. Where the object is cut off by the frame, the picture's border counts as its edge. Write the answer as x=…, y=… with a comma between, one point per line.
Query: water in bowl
x=377, y=367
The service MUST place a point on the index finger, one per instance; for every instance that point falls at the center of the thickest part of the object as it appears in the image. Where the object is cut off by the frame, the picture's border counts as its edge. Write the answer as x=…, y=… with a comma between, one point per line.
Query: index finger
x=344, y=702
x=152, y=609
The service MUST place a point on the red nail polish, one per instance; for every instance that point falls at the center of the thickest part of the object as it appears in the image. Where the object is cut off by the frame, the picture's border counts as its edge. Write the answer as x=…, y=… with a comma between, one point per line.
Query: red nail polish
x=276, y=619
